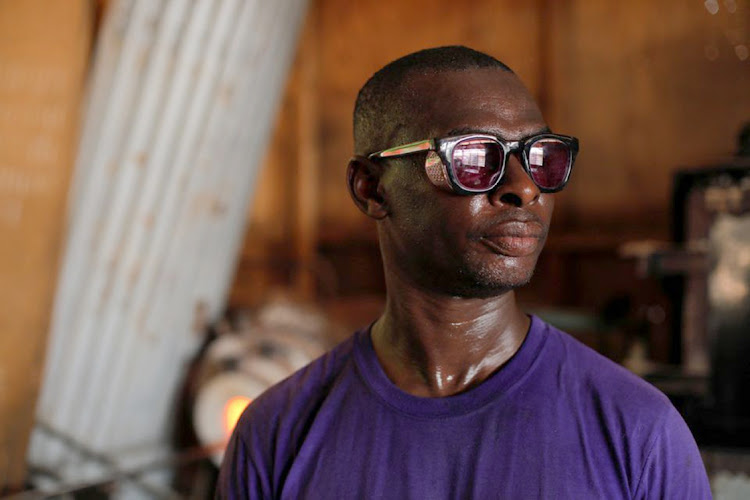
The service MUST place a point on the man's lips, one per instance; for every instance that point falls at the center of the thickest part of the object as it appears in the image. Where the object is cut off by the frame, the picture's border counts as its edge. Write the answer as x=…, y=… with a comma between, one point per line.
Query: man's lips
x=513, y=238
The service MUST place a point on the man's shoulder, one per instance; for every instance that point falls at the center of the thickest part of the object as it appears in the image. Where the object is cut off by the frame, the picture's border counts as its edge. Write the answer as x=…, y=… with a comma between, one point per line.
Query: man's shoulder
x=629, y=420
x=300, y=391
x=583, y=369
x=271, y=430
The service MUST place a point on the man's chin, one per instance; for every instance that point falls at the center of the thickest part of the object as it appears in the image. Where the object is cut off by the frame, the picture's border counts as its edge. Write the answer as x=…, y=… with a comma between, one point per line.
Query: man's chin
x=487, y=284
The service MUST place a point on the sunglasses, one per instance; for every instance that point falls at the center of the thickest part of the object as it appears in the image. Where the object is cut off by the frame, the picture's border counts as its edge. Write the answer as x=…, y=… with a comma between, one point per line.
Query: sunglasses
x=475, y=163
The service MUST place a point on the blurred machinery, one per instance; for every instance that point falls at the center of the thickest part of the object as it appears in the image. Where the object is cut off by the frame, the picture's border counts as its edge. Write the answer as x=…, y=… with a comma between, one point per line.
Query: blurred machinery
x=706, y=272
x=243, y=355
x=246, y=353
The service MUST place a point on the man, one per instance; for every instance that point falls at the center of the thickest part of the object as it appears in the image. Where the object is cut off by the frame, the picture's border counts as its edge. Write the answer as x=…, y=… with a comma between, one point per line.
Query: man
x=454, y=392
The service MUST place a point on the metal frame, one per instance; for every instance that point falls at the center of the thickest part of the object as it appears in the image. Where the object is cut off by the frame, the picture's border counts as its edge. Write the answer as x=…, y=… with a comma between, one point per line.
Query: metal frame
x=157, y=214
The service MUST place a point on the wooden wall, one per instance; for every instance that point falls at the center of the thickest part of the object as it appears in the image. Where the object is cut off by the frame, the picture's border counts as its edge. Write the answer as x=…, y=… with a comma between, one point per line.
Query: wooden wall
x=44, y=49
x=647, y=86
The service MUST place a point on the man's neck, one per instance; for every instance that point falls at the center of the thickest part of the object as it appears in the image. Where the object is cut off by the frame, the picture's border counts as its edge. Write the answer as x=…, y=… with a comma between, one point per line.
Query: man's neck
x=434, y=345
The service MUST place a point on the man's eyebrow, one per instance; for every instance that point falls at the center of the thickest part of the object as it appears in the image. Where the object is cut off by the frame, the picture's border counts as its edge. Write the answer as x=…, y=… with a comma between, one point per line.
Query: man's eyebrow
x=491, y=131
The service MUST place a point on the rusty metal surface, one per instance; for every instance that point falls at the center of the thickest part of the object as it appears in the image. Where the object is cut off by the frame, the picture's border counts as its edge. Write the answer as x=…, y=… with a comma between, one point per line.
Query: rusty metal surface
x=180, y=108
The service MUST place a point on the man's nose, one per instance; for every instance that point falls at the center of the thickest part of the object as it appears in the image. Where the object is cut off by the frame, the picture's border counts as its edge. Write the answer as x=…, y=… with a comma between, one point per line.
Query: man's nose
x=516, y=187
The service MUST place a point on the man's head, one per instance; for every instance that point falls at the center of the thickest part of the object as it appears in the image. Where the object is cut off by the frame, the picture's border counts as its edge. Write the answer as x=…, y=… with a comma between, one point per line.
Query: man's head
x=379, y=110
x=477, y=245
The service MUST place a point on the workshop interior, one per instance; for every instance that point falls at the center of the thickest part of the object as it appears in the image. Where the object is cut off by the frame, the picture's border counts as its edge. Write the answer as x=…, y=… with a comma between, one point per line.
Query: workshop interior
x=177, y=236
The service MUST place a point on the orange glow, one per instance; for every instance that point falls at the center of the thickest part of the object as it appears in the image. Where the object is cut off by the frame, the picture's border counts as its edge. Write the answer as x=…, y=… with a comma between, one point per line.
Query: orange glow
x=232, y=411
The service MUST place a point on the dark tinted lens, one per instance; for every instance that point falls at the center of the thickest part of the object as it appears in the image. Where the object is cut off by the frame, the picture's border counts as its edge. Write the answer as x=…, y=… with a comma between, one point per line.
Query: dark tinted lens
x=549, y=162
x=477, y=164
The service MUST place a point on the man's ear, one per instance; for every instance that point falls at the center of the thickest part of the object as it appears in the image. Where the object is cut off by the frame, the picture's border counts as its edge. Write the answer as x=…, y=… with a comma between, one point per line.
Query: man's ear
x=363, y=177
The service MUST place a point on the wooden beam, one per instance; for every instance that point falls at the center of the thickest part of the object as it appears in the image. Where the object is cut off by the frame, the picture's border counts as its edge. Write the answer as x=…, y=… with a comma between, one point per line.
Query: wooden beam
x=44, y=49
x=308, y=159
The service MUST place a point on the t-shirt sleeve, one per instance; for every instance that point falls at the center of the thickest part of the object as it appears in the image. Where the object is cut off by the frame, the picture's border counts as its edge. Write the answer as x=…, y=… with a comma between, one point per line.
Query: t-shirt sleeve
x=240, y=476
x=673, y=467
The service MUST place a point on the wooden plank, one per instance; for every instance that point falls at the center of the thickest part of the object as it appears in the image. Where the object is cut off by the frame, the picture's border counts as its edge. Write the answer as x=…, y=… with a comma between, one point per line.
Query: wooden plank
x=308, y=163
x=44, y=48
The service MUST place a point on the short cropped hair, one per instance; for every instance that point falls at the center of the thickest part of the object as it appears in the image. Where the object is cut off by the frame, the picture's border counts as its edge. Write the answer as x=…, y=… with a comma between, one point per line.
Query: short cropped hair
x=376, y=110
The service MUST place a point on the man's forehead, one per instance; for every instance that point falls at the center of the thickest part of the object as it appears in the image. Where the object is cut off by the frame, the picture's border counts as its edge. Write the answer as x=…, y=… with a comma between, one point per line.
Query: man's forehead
x=487, y=100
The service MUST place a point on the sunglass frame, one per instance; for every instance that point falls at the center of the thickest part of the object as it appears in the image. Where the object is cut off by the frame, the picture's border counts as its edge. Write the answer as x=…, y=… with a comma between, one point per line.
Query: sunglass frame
x=445, y=146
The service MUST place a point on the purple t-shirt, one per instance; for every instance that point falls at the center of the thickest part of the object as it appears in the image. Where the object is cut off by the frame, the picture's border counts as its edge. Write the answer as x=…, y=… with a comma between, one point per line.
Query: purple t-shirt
x=557, y=420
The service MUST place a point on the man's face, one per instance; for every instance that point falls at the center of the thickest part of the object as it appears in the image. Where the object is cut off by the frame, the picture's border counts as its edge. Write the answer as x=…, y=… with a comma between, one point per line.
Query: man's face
x=473, y=246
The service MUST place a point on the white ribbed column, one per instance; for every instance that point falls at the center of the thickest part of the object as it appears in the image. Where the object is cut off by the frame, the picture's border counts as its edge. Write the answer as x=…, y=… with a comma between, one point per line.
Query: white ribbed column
x=179, y=113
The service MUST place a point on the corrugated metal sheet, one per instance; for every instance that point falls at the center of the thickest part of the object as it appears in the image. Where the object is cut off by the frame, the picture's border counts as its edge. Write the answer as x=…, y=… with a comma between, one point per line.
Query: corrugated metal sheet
x=179, y=114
